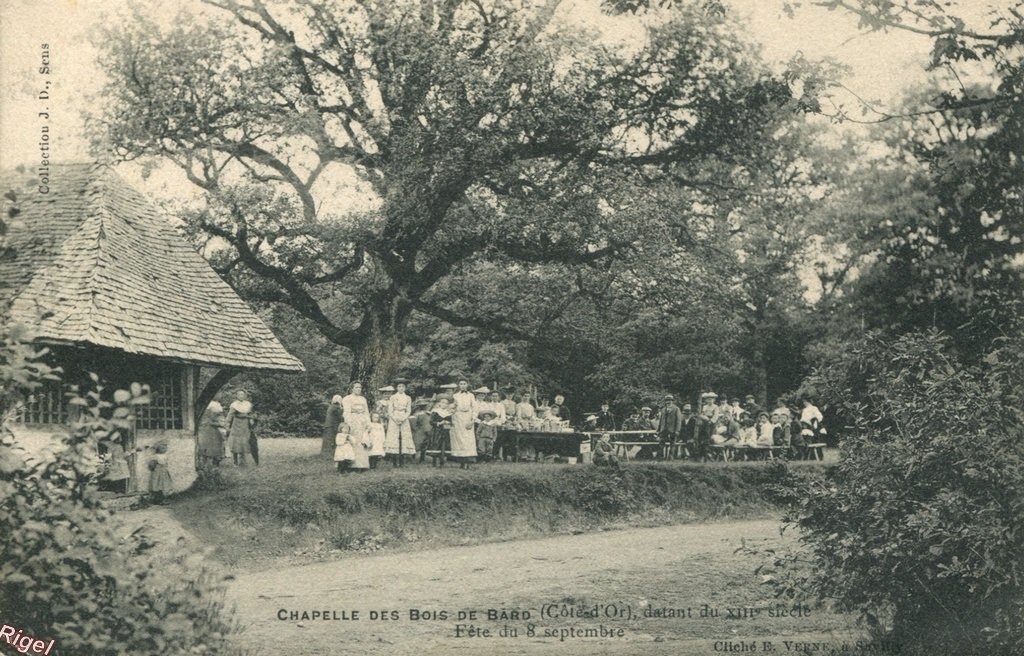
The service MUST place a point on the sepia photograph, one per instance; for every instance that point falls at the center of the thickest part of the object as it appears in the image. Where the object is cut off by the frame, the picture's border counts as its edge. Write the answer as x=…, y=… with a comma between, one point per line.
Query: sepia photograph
x=512, y=327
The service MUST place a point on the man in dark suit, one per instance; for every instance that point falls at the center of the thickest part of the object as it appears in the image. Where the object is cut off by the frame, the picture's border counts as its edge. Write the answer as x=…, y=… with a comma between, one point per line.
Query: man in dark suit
x=563, y=412
x=691, y=425
x=670, y=422
x=606, y=419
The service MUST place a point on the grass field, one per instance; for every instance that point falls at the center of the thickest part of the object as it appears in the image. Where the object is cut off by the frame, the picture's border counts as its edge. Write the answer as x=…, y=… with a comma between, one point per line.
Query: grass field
x=295, y=508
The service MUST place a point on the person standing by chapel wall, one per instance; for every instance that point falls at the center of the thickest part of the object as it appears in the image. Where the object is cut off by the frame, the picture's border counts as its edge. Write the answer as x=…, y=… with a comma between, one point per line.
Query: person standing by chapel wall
x=240, y=428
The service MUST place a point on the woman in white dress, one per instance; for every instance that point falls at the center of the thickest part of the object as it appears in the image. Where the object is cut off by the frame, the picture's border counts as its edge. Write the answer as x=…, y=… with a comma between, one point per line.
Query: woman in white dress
x=464, y=415
x=357, y=412
x=399, y=440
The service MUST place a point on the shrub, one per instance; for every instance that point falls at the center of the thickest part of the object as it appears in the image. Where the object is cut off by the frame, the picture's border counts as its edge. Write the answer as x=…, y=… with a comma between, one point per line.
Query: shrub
x=64, y=574
x=920, y=527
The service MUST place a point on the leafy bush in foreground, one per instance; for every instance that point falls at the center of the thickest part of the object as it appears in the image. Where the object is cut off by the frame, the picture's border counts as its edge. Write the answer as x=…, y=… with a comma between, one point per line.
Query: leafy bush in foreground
x=920, y=527
x=64, y=574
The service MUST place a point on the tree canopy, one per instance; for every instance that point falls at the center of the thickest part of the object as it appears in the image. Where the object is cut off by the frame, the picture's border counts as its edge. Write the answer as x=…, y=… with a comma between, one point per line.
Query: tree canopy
x=496, y=130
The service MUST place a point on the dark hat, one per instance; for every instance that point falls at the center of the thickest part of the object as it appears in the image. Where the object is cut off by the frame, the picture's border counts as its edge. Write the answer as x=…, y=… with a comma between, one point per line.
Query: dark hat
x=687, y=407
x=401, y=381
x=749, y=397
x=734, y=400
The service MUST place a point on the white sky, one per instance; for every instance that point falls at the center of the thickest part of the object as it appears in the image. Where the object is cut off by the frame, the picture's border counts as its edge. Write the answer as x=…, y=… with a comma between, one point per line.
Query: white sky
x=883, y=65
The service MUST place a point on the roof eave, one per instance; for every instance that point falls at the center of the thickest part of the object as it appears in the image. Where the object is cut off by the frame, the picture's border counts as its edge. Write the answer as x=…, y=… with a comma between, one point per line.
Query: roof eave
x=298, y=367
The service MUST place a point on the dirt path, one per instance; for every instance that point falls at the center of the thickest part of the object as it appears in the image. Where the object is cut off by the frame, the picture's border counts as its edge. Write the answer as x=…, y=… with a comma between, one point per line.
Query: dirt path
x=622, y=572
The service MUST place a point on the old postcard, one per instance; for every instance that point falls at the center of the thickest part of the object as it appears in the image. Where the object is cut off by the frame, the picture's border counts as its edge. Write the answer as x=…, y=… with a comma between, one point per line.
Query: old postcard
x=511, y=327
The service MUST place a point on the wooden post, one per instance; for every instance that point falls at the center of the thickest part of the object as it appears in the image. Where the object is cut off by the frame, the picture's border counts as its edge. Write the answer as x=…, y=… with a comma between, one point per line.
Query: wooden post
x=189, y=383
x=132, y=457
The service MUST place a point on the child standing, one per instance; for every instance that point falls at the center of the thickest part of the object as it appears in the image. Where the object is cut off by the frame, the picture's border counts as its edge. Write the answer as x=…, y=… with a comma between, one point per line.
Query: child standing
x=377, y=437
x=160, y=483
x=343, y=451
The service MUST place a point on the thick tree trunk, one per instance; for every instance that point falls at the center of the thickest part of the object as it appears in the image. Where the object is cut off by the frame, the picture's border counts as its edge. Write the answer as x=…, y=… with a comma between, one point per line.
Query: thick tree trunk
x=377, y=358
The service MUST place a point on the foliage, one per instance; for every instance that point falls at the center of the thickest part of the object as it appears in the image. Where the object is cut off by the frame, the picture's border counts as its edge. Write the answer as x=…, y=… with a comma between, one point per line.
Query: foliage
x=64, y=574
x=494, y=131
x=929, y=224
x=920, y=526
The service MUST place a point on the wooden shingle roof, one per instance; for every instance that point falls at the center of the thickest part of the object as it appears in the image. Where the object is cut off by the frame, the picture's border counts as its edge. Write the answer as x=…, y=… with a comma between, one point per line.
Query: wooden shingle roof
x=104, y=267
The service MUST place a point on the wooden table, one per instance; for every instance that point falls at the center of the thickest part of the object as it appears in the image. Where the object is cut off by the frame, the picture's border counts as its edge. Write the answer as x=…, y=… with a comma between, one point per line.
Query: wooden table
x=562, y=444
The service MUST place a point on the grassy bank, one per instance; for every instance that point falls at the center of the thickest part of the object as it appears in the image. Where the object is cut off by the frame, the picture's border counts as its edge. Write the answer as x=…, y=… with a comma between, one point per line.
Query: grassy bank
x=296, y=508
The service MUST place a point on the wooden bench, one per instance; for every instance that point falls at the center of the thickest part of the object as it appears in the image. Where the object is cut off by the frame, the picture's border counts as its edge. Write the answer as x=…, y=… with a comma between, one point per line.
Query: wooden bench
x=817, y=450
x=625, y=447
x=723, y=452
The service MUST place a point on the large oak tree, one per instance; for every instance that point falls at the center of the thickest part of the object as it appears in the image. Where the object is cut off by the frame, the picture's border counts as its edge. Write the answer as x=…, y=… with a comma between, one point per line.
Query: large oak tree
x=498, y=130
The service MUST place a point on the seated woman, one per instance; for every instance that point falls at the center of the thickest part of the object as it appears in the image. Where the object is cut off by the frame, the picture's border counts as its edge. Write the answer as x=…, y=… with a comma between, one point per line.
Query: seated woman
x=748, y=432
x=765, y=431
x=721, y=435
x=115, y=475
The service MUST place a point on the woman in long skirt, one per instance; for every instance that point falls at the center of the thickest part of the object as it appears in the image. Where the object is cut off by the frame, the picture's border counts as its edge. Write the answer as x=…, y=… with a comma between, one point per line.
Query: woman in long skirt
x=331, y=423
x=239, y=423
x=357, y=413
x=211, y=438
x=399, y=441
x=464, y=416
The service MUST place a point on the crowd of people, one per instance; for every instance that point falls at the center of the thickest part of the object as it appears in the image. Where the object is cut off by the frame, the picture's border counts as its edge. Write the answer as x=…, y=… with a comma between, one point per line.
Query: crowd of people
x=719, y=421
x=457, y=424
x=461, y=425
x=234, y=431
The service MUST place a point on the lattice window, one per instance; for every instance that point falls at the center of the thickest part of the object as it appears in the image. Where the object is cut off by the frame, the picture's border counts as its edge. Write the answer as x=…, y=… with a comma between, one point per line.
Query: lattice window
x=49, y=405
x=46, y=405
x=164, y=412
